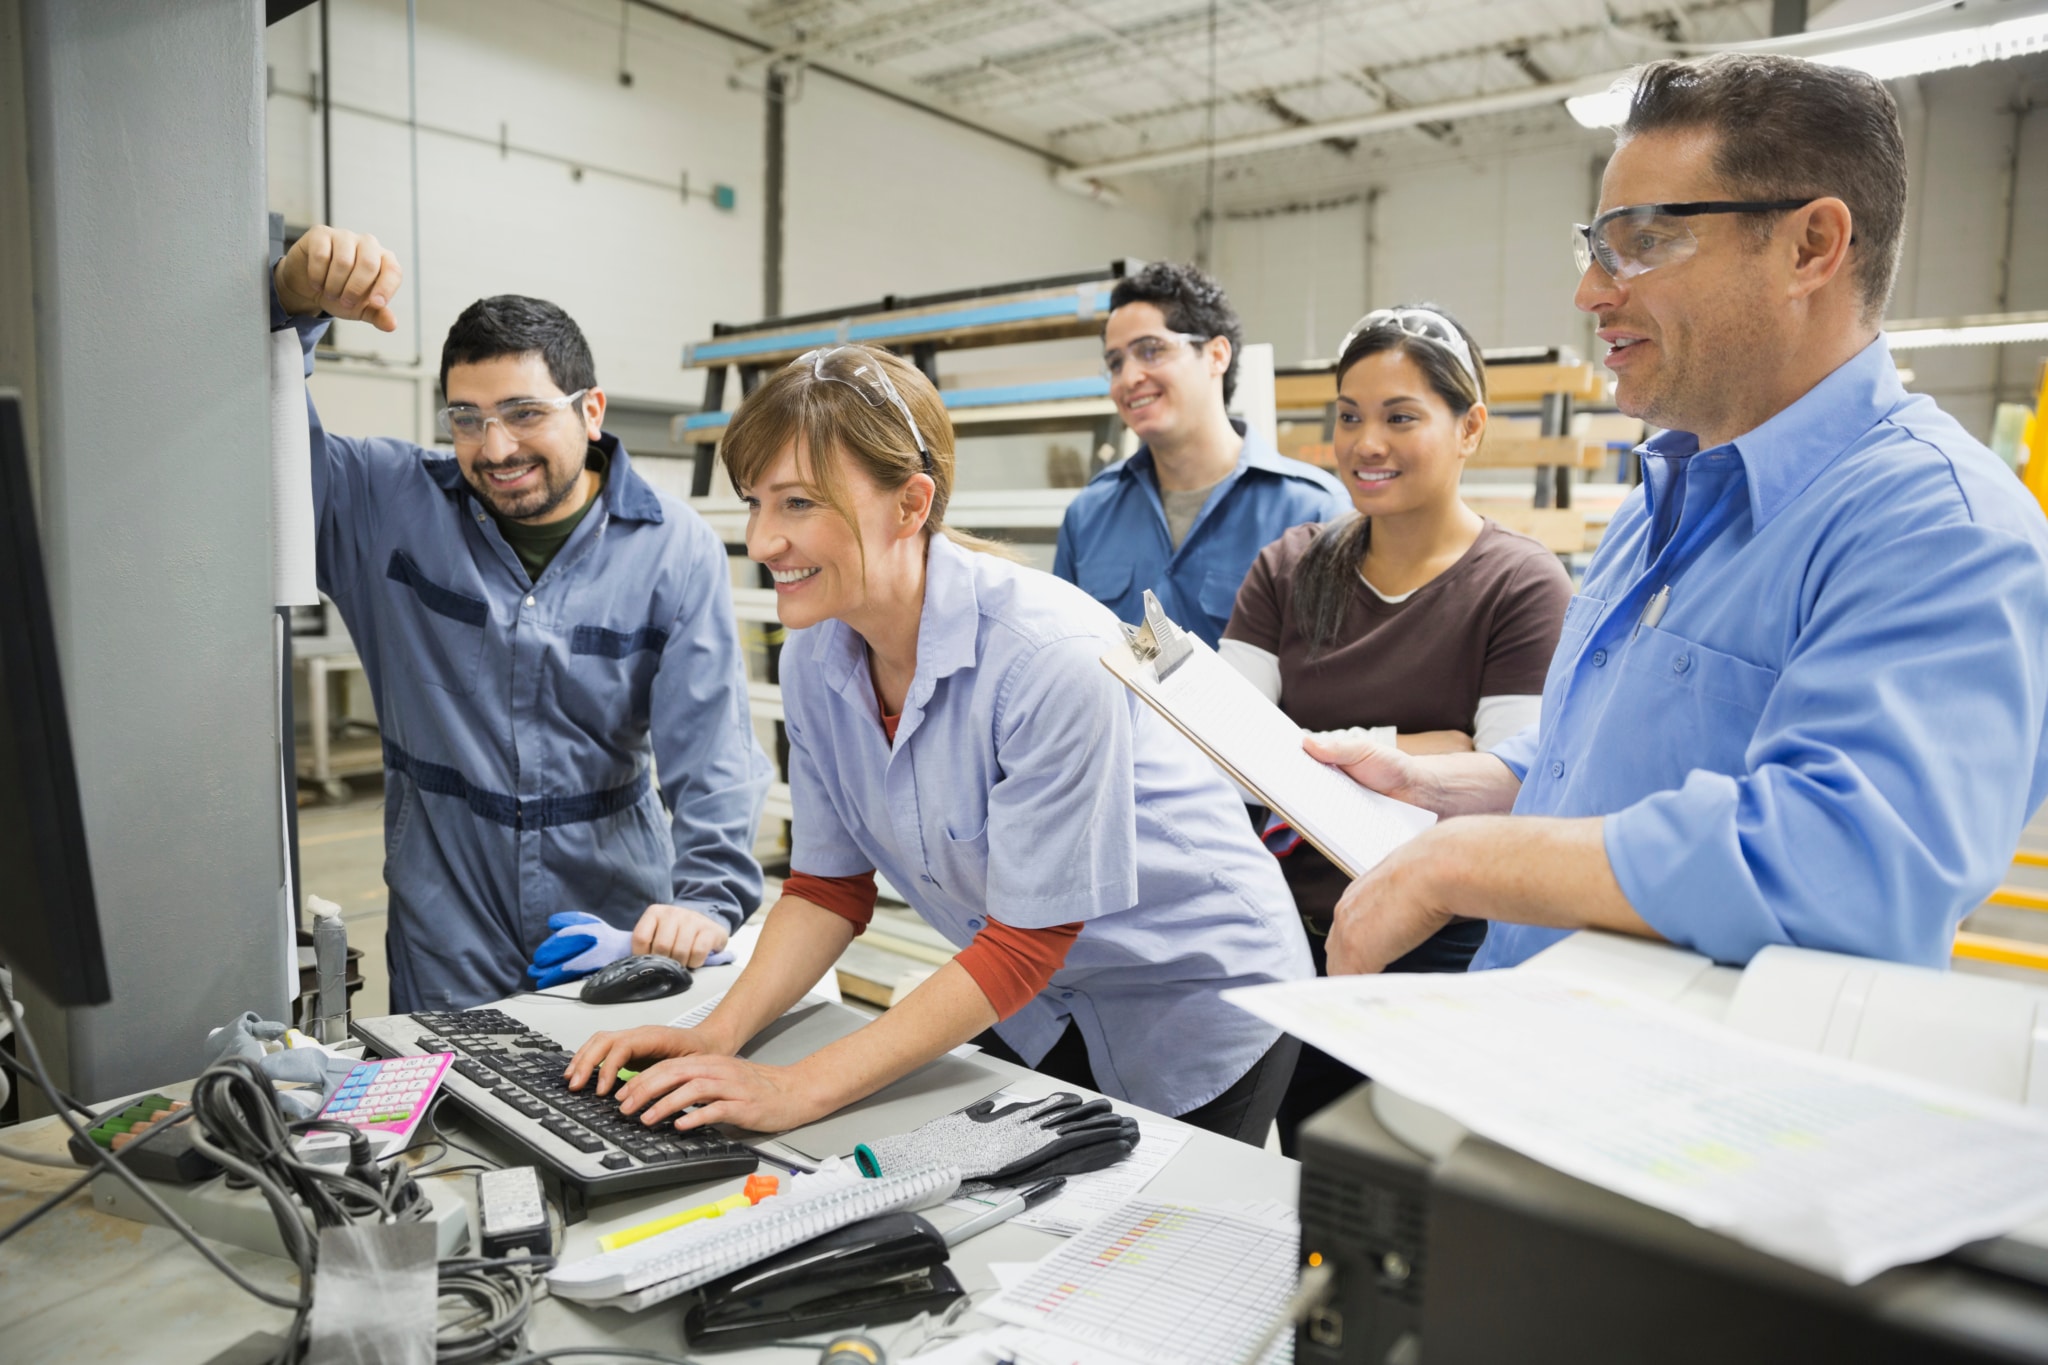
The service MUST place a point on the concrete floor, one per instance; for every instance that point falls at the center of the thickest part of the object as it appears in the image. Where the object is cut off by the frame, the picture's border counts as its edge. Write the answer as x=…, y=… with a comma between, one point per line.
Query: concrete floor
x=341, y=857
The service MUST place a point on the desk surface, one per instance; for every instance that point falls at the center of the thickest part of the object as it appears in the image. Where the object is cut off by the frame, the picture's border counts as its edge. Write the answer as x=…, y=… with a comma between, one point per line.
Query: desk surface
x=83, y=1286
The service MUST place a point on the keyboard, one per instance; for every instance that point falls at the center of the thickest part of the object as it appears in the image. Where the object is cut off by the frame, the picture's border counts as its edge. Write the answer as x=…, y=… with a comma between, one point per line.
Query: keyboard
x=510, y=1078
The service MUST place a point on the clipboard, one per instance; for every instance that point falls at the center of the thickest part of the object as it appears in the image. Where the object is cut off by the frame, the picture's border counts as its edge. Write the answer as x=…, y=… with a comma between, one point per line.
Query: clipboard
x=1228, y=719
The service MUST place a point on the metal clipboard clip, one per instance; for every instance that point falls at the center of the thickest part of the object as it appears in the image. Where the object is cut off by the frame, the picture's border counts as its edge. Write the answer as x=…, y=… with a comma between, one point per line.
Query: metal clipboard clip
x=1159, y=641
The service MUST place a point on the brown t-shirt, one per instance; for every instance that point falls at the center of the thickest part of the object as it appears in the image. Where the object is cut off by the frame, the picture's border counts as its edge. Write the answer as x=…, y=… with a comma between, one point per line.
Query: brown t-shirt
x=1485, y=627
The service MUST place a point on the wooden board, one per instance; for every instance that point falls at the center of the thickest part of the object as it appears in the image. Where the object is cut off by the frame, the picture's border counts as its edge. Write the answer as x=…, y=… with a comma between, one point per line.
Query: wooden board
x=1509, y=451
x=1562, y=530
x=1582, y=383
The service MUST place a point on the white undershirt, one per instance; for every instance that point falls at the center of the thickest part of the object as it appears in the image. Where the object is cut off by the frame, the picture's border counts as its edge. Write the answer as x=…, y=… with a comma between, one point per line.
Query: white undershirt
x=1497, y=719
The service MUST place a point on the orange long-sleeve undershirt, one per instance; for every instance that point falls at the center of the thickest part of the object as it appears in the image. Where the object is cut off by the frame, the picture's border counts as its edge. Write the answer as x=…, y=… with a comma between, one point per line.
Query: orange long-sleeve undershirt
x=1010, y=965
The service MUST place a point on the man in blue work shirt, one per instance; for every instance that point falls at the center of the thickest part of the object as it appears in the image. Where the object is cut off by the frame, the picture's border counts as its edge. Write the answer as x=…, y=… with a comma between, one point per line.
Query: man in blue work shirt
x=539, y=628
x=1801, y=698
x=1188, y=513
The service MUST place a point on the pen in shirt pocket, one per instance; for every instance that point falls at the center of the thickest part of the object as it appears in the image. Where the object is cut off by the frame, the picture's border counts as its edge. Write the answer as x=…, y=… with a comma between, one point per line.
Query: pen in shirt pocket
x=1653, y=611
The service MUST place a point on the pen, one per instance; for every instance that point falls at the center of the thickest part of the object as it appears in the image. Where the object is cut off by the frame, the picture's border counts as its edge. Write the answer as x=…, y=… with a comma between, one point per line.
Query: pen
x=1005, y=1211
x=1653, y=611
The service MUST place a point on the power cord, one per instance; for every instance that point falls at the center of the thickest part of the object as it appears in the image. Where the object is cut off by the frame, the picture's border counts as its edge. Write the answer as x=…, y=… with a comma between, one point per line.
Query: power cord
x=107, y=1161
x=499, y=1295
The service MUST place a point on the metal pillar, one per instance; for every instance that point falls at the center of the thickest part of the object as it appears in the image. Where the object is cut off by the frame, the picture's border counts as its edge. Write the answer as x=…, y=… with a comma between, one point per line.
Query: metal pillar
x=142, y=129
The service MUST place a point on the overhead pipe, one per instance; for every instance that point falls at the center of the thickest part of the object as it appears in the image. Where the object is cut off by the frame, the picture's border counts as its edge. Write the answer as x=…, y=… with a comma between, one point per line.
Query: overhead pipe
x=1382, y=121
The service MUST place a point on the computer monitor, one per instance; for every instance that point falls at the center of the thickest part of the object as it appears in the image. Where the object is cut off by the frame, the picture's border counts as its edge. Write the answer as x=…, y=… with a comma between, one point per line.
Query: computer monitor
x=49, y=926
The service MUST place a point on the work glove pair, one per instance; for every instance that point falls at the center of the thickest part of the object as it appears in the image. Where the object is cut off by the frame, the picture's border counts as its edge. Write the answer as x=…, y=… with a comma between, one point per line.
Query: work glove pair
x=581, y=944
x=1014, y=1145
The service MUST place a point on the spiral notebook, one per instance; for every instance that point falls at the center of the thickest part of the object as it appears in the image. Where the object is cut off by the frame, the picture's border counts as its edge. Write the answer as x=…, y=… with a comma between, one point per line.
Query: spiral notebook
x=1253, y=740
x=661, y=1267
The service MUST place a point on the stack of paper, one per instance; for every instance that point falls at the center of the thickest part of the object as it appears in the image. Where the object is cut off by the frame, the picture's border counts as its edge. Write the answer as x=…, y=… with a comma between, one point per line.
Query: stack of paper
x=1839, y=1167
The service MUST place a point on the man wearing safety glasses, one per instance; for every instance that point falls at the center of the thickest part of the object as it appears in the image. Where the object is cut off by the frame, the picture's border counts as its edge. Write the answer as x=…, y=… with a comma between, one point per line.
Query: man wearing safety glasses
x=1801, y=696
x=542, y=633
x=1186, y=515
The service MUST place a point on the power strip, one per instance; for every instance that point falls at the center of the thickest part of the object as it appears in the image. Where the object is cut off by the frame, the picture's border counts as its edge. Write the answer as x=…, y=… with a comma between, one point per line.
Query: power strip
x=242, y=1217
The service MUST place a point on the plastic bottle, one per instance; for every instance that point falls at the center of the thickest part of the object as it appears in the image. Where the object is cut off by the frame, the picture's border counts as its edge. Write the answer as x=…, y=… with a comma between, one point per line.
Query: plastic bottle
x=330, y=959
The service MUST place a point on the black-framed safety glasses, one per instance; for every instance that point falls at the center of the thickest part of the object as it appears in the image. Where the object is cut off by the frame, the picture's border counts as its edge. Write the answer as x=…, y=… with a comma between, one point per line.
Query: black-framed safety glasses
x=1639, y=237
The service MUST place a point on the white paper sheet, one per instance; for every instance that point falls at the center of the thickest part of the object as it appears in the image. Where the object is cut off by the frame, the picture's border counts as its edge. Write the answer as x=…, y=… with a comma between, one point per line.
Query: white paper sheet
x=1840, y=1168
x=1166, y=1284
x=1261, y=747
x=291, y=476
x=1088, y=1197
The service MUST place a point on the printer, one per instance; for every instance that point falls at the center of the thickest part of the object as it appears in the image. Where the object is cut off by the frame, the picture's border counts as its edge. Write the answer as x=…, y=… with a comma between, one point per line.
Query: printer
x=1450, y=1249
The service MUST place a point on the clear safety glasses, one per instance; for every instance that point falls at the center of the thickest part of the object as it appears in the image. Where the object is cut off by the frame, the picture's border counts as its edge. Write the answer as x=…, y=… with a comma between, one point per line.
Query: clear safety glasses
x=467, y=424
x=1147, y=352
x=1416, y=322
x=1630, y=240
x=856, y=368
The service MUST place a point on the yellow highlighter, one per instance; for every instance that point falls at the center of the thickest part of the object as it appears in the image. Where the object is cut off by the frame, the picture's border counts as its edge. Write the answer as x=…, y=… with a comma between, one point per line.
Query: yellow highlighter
x=626, y=1238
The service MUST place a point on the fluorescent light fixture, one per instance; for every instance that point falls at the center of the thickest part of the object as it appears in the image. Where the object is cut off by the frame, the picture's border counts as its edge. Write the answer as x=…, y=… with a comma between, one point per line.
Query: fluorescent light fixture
x=1603, y=109
x=1992, y=334
x=1944, y=51
x=1914, y=56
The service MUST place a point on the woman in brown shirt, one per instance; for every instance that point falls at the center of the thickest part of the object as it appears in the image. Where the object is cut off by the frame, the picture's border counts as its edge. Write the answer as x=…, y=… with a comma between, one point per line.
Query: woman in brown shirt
x=1414, y=616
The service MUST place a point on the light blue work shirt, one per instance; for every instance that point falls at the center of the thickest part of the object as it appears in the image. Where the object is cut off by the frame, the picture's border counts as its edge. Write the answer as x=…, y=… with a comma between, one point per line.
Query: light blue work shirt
x=1114, y=540
x=1834, y=734
x=521, y=719
x=1027, y=783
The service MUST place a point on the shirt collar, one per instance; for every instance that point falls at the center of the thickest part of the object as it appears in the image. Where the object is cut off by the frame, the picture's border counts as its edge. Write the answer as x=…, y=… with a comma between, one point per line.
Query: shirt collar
x=946, y=630
x=1258, y=453
x=626, y=495
x=1787, y=453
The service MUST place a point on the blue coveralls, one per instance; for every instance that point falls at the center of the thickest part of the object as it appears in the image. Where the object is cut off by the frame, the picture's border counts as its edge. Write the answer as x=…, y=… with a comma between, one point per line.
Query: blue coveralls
x=523, y=721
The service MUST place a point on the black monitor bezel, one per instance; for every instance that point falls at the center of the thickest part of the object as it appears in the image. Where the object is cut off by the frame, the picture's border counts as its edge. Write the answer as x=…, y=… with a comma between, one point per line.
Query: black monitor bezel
x=50, y=932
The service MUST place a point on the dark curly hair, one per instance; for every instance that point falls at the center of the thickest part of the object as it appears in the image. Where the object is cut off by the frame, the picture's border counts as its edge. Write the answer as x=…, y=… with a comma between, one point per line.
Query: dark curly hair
x=513, y=324
x=1194, y=305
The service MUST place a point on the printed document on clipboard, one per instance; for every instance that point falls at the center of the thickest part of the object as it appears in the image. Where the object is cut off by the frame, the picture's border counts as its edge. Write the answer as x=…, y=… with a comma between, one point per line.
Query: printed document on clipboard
x=1214, y=705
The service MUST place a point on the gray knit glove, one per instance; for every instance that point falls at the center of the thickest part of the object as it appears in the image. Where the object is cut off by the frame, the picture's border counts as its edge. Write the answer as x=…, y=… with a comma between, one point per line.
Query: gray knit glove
x=1058, y=1135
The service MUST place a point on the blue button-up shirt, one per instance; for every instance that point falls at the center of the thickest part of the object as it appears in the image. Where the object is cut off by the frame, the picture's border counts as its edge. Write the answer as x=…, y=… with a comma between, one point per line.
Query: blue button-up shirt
x=521, y=719
x=1114, y=540
x=1834, y=734
x=1027, y=783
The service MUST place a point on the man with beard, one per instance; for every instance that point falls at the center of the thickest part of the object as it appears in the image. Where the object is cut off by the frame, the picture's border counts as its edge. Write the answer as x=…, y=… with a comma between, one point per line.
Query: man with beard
x=542, y=633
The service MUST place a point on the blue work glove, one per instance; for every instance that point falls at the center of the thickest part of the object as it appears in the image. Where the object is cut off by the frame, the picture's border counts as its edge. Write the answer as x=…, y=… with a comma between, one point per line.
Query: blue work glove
x=580, y=945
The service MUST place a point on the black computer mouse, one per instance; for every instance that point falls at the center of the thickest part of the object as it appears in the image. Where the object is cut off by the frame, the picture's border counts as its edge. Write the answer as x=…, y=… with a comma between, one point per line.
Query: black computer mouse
x=645, y=977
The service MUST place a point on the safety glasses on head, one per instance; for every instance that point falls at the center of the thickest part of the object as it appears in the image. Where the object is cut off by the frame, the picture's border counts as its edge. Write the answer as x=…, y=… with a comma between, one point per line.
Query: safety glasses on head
x=1639, y=237
x=466, y=424
x=1425, y=323
x=857, y=368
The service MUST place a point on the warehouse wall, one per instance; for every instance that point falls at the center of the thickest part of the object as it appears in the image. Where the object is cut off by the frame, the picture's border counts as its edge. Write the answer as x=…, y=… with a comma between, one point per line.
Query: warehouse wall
x=882, y=198
x=1484, y=233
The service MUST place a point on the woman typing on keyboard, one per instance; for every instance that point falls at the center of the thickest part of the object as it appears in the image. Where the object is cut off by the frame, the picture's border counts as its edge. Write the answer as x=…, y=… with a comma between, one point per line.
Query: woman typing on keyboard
x=951, y=725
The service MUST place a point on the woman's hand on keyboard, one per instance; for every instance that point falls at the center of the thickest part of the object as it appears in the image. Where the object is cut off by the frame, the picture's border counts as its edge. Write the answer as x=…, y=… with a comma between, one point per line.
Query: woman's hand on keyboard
x=605, y=1053
x=765, y=1099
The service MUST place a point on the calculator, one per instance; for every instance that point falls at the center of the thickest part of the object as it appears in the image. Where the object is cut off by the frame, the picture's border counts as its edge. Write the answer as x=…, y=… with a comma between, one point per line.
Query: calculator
x=385, y=1099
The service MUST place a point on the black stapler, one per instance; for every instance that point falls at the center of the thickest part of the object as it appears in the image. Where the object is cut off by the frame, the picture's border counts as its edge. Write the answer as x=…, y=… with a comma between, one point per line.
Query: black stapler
x=878, y=1270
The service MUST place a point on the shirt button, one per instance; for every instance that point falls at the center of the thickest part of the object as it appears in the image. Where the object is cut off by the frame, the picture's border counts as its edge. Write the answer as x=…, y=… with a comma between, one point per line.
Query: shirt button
x=1599, y=658
x=1066, y=995
x=529, y=601
x=925, y=877
x=1557, y=770
x=1681, y=663
x=975, y=925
